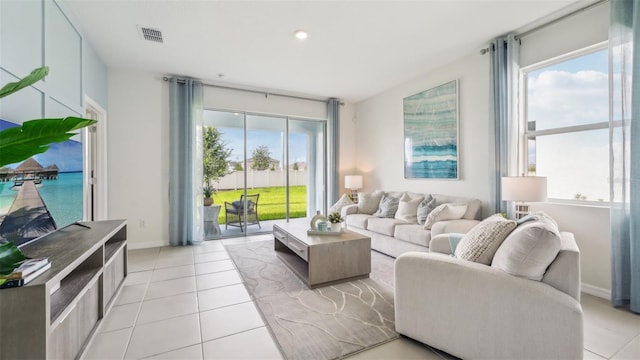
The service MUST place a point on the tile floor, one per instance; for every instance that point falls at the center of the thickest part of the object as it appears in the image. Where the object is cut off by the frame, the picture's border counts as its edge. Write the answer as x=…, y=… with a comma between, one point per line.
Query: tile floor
x=189, y=303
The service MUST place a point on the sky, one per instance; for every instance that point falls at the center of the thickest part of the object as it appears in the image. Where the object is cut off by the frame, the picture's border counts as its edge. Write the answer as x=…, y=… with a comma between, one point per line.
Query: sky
x=66, y=155
x=234, y=138
x=574, y=92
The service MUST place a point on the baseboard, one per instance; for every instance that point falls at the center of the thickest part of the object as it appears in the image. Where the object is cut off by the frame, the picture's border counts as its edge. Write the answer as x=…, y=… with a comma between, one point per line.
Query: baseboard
x=133, y=245
x=596, y=291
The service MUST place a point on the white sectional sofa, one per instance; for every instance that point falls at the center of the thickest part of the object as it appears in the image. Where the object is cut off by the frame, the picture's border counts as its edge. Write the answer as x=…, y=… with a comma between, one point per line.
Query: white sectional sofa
x=394, y=237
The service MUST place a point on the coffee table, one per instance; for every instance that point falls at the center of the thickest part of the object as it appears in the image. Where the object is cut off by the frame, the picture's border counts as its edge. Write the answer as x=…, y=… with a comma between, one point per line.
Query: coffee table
x=320, y=260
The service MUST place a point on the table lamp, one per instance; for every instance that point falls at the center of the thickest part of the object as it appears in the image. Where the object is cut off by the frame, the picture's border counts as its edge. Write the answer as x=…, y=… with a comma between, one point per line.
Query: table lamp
x=353, y=182
x=523, y=189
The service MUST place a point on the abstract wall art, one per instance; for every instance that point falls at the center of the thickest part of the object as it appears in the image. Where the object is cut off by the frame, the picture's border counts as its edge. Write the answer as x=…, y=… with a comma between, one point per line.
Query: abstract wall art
x=431, y=133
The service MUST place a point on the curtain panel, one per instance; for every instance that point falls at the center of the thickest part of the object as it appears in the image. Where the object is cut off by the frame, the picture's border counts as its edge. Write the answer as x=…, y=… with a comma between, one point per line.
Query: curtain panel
x=185, y=162
x=333, y=151
x=504, y=135
x=624, y=151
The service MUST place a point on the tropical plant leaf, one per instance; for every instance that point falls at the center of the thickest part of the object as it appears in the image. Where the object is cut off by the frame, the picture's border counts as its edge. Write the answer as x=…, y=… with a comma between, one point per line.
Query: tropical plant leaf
x=10, y=257
x=34, y=136
x=35, y=76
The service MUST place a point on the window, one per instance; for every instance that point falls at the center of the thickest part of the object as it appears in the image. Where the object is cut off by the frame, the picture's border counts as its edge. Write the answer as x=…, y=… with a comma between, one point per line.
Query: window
x=566, y=110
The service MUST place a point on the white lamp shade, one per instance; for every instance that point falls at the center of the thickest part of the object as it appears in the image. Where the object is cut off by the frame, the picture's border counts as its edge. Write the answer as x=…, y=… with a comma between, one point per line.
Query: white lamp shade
x=524, y=188
x=353, y=182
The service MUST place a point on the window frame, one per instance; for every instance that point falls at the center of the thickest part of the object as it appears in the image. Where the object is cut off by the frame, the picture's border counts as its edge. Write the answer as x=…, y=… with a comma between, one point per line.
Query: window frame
x=524, y=135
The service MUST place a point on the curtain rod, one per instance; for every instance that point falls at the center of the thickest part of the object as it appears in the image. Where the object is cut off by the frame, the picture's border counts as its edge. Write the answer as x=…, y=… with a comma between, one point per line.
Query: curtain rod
x=575, y=12
x=540, y=27
x=266, y=93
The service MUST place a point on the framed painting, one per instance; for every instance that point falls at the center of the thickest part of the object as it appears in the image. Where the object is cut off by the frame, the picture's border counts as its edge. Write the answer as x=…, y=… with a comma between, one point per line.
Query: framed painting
x=431, y=133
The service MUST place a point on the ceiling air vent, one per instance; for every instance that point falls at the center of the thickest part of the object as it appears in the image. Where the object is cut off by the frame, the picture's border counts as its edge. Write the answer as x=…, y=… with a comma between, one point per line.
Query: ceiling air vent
x=150, y=34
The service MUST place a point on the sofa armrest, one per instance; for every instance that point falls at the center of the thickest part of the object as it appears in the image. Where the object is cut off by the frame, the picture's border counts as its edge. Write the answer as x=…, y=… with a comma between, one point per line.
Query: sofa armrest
x=440, y=244
x=475, y=311
x=348, y=210
x=461, y=226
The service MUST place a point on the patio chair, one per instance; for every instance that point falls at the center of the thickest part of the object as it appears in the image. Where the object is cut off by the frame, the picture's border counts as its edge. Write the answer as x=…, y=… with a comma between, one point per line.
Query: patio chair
x=235, y=212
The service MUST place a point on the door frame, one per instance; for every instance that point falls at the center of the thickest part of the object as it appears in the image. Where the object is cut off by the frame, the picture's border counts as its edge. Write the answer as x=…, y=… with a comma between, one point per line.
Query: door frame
x=99, y=180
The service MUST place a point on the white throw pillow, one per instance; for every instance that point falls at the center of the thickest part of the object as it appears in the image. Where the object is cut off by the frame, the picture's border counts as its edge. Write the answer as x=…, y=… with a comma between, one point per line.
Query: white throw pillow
x=368, y=203
x=529, y=250
x=481, y=242
x=445, y=212
x=408, y=210
x=345, y=200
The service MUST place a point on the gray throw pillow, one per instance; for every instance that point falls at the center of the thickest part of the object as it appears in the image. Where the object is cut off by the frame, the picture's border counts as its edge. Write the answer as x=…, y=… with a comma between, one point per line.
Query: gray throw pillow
x=387, y=207
x=425, y=207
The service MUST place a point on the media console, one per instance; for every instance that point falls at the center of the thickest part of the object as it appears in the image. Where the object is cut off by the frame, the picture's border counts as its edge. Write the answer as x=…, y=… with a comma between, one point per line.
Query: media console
x=55, y=315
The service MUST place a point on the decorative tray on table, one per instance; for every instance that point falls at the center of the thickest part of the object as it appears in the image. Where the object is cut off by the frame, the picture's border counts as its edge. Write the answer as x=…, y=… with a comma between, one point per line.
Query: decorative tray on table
x=326, y=232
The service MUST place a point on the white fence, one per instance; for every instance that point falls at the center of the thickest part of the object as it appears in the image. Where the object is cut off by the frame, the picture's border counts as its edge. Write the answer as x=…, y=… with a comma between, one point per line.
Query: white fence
x=257, y=179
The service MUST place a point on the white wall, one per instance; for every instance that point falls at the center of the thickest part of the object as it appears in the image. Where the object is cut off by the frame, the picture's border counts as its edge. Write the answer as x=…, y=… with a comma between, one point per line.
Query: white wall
x=380, y=132
x=138, y=153
x=379, y=146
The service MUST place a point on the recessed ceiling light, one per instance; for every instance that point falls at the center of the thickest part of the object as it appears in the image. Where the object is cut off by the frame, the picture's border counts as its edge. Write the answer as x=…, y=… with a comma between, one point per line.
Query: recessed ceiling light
x=301, y=34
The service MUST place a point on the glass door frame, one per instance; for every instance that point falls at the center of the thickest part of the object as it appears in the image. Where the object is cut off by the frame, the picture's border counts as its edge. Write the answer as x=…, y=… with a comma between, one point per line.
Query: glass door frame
x=286, y=118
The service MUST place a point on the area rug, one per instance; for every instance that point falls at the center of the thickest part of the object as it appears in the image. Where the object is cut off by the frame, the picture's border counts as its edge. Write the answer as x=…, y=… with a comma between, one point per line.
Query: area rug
x=324, y=323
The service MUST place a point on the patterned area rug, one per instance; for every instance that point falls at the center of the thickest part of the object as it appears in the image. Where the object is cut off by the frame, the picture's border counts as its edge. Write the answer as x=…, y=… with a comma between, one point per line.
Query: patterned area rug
x=323, y=323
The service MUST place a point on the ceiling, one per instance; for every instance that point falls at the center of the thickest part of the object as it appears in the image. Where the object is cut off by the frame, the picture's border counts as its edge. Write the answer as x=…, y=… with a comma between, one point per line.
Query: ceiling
x=355, y=49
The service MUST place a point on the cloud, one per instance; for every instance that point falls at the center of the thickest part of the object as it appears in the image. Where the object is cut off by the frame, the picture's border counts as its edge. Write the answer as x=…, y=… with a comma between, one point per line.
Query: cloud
x=560, y=98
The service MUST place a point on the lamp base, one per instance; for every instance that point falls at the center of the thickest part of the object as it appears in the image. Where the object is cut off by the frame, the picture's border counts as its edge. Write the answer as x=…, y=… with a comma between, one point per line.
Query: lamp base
x=354, y=196
x=522, y=210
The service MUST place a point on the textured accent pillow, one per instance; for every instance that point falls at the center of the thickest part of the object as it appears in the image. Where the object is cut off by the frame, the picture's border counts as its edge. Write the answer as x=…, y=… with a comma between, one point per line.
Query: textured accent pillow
x=426, y=206
x=408, y=210
x=481, y=242
x=368, y=203
x=345, y=200
x=388, y=207
x=529, y=250
x=445, y=212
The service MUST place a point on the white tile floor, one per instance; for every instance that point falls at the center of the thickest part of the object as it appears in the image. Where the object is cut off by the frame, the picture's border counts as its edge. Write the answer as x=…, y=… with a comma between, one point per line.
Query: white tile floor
x=189, y=303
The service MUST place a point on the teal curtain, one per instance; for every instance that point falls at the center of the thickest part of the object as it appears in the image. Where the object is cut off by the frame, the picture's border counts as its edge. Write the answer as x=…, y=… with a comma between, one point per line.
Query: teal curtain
x=505, y=58
x=333, y=141
x=185, y=162
x=624, y=143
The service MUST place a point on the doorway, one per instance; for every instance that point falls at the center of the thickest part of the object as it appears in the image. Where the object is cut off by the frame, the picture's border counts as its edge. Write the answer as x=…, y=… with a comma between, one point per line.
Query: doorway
x=274, y=170
x=95, y=164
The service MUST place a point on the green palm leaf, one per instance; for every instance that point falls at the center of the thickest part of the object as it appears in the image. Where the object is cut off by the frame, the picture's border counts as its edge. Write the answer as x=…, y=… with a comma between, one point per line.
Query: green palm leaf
x=34, y=136
x=35, y=76
x=10, y=258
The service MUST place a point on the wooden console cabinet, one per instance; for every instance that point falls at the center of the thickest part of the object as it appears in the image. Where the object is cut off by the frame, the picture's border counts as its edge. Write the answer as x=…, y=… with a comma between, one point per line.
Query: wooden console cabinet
x=88, y=266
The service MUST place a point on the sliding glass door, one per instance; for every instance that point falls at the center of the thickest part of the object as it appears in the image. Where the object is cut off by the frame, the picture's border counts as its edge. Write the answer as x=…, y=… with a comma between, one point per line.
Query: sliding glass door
x=271, y=168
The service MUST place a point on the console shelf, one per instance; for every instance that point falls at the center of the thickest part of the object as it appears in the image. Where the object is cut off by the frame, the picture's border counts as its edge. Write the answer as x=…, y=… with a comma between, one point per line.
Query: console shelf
x=54, y=316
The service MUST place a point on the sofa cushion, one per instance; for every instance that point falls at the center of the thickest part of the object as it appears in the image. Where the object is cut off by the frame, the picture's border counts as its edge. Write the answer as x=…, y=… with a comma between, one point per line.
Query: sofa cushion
x=358, y=220
x=474, y=206
x=413, y=233
x=345, y=200
x=387, y=207
x=408, y=210
x=445, y=212
x=480, y=243
x=426, y=206
x=384, y=226
x=368, y=203
x=528, y=250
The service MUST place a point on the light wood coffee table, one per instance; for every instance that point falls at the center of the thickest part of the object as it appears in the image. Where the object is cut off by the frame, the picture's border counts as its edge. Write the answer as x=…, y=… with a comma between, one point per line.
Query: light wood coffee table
x=320, y=260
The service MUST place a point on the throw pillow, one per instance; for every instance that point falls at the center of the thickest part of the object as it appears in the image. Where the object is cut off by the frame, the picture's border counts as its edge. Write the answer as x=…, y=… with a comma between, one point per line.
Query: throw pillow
x=426, y=206
x=445, y=212
x=408, y=210
x=454, y=240
x=345, y=200
x=368, y=203
x=481, y=242
x=388, y=207
x=529, y=250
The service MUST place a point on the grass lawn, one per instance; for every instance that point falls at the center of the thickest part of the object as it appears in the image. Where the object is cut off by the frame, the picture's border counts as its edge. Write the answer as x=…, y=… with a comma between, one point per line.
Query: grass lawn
x=271, y=204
